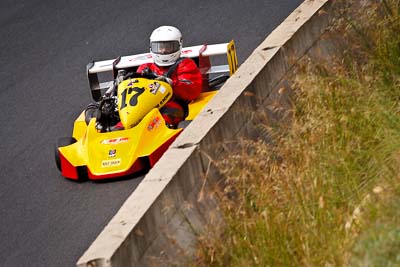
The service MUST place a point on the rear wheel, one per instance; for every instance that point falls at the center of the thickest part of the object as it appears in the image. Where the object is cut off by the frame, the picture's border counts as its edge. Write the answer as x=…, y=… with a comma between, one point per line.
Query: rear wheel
x=217, y=82
x=184, y=124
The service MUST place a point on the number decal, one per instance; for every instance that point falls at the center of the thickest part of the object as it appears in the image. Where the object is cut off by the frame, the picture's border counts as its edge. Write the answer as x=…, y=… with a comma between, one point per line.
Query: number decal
x=123, y=104
x=232, y=59
x=134, y=98
x=139, y=91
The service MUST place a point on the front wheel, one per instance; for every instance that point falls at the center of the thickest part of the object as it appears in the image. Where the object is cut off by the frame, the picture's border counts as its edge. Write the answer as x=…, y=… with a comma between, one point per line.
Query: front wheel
x=63, y=141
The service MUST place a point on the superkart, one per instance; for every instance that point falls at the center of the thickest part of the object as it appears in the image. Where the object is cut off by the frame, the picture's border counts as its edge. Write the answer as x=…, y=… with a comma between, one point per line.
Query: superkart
x=124, y=133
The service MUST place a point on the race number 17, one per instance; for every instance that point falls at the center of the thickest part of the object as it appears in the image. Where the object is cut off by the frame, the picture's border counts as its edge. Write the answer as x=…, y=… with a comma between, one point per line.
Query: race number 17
x=133, y=99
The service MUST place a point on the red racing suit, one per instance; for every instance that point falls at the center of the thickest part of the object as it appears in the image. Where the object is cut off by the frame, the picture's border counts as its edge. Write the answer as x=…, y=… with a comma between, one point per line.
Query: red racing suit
x=186, y=85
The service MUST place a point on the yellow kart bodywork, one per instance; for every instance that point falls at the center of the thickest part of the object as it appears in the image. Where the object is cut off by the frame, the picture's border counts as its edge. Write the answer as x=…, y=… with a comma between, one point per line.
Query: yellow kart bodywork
x=123, y=152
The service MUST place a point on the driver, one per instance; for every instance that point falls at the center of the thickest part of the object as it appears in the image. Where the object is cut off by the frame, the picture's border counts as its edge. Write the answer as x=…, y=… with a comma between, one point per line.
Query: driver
x=181, y=73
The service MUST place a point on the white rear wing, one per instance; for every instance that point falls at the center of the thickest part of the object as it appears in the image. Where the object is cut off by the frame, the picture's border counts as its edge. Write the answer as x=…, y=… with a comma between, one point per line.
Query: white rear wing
x=201, y=54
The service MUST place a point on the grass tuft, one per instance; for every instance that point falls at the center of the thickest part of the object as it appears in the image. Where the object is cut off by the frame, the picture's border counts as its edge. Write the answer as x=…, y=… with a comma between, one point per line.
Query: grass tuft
x=326, y=192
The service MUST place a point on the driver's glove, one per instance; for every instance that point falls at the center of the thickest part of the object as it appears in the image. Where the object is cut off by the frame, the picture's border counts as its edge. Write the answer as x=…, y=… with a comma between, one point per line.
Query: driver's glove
x=147, y=71
x=164, y=79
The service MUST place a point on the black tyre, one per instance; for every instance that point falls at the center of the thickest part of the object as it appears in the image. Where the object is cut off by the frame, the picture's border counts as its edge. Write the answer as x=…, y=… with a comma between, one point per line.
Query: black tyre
x=91, y=112
x=184, y=124
x=63, y=141
x=217, y=82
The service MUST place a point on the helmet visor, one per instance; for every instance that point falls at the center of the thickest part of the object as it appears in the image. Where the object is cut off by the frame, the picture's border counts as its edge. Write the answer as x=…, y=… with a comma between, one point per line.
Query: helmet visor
x=165, y=47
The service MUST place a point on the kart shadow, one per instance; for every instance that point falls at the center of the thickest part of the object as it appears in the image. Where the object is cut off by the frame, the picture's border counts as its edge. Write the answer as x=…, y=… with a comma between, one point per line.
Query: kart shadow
x=85, y=179
x=121, y=178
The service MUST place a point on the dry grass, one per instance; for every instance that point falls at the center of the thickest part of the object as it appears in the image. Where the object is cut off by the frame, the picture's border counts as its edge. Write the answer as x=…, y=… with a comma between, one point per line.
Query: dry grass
x=327, y=191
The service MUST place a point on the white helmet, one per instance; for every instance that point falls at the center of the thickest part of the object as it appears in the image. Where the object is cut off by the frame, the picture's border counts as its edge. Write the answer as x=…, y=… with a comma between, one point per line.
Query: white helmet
x=165, y=45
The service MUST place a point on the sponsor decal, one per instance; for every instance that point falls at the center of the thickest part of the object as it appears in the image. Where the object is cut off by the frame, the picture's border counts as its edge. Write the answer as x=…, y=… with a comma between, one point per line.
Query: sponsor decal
x=154, y=88
x=154, y=123
x=184, y=52
x=112, y=153
x=132, y=82
x=110, y=163
x=163, y=100
x=162, y=89
x=143, y=57
x=186, y=81
x=114, y=141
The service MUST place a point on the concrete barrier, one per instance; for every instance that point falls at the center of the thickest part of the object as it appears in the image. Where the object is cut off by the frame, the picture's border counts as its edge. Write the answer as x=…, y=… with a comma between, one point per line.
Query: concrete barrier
x=160, y=222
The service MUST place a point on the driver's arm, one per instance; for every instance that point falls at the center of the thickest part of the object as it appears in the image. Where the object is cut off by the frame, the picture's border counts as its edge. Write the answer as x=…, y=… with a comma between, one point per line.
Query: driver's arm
x=187, y=80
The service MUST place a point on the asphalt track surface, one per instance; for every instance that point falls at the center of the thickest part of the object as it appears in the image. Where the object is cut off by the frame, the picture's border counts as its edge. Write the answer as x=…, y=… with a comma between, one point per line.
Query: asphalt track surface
x=45, y=45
